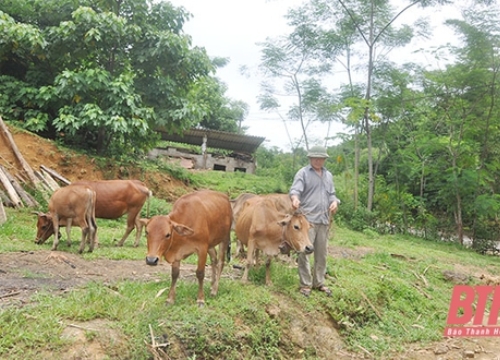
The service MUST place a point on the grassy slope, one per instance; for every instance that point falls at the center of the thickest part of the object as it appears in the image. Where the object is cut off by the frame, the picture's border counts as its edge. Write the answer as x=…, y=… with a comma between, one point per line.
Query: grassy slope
x=389, y=293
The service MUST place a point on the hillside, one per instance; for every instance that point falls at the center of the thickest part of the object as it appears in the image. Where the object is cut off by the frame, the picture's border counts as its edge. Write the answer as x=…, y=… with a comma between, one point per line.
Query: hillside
x=374, y=279
x=38, y=151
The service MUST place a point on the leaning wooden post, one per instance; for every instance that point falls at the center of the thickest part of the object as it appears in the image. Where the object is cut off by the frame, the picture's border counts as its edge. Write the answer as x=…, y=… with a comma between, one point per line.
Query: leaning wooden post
x=3, y=216
x=26, y=167
x=14, y=197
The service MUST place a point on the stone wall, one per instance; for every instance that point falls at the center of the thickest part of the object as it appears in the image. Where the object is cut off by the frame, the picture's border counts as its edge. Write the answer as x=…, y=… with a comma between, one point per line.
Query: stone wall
x=234, y=162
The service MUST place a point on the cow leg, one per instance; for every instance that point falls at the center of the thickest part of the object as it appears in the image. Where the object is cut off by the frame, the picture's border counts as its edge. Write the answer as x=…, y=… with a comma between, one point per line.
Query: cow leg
x=176, y=269
x=92, y=236
x=138, y=229
x=250, y=251
x=240, y=250
x=224, y=247
x=200, y=275
x=268, y=270
x=55, y=223
x=215, y=271
x=68, y=230
x=130, y=227
x=85, y=234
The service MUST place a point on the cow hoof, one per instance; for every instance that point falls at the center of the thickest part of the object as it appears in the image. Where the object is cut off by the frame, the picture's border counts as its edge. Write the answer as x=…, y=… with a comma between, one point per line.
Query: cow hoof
x=200, y=303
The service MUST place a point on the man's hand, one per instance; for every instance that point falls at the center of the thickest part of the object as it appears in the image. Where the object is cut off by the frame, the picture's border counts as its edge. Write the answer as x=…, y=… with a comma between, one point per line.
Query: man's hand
x=333, y=207
x=295, y=202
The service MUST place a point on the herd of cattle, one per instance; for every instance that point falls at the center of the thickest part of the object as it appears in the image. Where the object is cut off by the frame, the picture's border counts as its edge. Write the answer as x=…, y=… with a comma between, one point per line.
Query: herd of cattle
x=198, y=223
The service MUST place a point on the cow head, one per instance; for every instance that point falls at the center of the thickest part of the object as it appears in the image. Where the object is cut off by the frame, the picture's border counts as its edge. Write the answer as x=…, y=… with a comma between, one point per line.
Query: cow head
x=295, y=234
x=160, y=232
x=45, y=227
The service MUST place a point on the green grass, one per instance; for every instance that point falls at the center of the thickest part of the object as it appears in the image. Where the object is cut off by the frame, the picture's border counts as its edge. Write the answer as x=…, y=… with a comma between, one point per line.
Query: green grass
x=388, y=292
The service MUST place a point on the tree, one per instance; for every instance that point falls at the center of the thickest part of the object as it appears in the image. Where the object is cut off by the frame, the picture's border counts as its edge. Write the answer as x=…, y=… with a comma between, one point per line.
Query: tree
x=292, y=62
x=467, y=110
x=100, y=74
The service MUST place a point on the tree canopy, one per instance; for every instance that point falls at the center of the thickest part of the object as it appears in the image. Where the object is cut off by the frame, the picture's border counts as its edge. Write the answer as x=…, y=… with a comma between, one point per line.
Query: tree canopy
x=104, y=74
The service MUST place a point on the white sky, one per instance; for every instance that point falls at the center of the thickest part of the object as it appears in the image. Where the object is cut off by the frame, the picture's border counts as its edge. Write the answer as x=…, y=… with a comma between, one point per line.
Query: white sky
x=232, y=29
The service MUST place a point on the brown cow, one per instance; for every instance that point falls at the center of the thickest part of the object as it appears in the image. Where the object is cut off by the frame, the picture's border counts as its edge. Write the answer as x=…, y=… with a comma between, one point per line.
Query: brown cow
x=115, y=198
x=282, y=201
x=70, y=204
x=262, y=226
x=198, y=222
x=236, y=205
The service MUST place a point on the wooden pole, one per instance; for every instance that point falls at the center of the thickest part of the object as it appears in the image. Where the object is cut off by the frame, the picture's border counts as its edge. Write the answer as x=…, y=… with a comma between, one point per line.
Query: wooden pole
x=44, y=185
x=5, y=199
x=20, y=191
x=53, y=184
x=56, y=175
x=10, y=189
x=26, y=167
x=3, y=215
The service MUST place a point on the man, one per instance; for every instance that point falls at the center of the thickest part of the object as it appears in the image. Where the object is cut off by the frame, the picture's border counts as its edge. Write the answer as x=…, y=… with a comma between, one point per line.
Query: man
x=313, y=191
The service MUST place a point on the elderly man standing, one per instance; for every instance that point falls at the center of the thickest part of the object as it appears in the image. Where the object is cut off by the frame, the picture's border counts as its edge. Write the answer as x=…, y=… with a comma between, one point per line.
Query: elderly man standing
x=313, y=191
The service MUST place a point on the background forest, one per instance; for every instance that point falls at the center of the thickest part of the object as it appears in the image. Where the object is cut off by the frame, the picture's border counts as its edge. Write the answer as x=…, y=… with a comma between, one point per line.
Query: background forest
x=421, y=151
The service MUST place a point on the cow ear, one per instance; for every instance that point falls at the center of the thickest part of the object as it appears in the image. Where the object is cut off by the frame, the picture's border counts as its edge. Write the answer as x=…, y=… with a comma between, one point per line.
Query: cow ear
x=182, y=229
x=285, y=220
x=144, y=221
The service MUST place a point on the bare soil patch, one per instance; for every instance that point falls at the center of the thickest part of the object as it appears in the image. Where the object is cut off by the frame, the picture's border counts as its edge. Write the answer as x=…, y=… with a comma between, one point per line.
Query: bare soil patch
x=38, y=151
x=25, y=273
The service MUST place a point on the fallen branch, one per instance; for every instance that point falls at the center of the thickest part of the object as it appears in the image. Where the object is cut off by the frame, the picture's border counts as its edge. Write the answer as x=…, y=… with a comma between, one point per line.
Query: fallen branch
x=14, y=293
x=366, y=351
x=79, y=327
x=371, y=305
x=422, y=292
x=155, y=348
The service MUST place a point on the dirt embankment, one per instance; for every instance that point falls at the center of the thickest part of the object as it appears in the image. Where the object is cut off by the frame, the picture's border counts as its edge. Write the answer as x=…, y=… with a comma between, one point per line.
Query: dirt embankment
x=38, y=151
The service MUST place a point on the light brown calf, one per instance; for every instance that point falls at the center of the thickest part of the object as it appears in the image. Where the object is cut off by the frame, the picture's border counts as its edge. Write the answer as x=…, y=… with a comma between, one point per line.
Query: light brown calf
x=261, y=226
x=70, y=204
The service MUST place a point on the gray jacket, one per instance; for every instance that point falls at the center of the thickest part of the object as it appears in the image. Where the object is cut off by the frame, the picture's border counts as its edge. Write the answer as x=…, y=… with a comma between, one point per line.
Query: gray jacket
x=315, y=193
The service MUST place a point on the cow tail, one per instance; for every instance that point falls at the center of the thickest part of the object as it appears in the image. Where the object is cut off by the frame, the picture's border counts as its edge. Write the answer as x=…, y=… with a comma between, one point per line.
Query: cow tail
x=228, y=251
x=150, y=194
x=93, y=201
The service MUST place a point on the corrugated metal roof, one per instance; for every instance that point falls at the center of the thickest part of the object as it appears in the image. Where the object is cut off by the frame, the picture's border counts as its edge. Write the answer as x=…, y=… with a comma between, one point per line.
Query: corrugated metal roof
x=216, y=139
